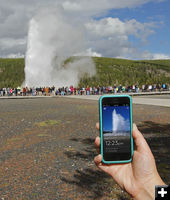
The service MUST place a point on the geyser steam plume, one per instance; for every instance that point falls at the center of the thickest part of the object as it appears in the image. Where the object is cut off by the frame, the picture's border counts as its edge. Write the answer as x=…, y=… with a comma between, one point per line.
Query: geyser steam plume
x=52, y=38
x=119, y=124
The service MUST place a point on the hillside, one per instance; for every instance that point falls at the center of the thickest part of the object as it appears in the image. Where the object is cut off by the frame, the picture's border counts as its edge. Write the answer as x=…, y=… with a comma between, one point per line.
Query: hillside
x=110, y=71
x=11, y=72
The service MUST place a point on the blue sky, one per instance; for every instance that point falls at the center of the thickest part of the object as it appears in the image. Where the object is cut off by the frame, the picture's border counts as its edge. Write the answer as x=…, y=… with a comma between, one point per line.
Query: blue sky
x=159, y=13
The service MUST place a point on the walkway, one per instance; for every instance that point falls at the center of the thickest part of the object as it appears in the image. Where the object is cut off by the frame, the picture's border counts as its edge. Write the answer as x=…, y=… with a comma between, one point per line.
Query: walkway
x=156, y=100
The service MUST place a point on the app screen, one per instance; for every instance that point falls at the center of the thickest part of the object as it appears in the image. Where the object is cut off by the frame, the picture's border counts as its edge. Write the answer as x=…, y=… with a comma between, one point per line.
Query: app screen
x=116, y=130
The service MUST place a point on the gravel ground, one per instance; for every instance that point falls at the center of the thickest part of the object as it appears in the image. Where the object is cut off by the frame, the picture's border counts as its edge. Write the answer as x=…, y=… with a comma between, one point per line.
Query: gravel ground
x=47, y=150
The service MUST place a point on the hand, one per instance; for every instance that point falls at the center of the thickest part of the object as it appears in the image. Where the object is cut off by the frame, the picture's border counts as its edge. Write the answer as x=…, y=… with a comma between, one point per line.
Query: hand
x=140, y=176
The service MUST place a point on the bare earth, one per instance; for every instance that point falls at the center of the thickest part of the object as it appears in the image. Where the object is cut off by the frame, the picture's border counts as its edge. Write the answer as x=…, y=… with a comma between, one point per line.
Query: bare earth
x=47, y=150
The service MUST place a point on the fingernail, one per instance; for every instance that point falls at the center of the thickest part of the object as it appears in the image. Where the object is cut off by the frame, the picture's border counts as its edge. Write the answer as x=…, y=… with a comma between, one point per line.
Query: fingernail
x=135, y=127
x=97, y=159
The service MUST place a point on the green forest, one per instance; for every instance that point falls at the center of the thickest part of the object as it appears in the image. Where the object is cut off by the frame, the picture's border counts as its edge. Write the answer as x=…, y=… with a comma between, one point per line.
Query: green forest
x=109, y=71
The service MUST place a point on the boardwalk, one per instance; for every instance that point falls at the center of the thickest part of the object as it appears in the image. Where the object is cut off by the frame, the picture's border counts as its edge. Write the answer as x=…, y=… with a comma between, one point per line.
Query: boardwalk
x=156, y=100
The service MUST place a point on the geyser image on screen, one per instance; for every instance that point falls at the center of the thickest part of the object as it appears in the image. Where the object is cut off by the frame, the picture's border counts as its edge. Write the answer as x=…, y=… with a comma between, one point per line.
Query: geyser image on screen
x=116, y=131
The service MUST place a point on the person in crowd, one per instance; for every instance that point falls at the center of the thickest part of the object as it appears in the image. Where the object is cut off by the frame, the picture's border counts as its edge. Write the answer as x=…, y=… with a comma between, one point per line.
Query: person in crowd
x=99, y=90
x=163, y=86
x=143, y=88
x=1, y=92
x=136, y=88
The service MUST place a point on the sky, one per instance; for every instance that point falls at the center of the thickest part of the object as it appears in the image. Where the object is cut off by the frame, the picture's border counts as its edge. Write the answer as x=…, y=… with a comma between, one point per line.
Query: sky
x=132, y=29
x=121, y=116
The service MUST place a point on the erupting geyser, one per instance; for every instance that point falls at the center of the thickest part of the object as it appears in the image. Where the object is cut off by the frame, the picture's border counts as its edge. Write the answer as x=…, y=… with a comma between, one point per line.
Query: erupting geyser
x=119, y=124
x=52, y=38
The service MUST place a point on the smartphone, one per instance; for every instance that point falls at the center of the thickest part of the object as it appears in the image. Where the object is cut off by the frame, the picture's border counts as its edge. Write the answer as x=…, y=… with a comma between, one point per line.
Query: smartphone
x=115, y=113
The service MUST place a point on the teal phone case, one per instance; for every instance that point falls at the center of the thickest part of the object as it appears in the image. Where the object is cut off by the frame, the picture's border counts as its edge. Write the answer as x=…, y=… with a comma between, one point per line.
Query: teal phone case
x=101, y=128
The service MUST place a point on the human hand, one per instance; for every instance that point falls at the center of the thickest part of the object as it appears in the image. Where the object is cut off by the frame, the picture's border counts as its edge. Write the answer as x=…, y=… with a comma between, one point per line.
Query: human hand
x=140, y=176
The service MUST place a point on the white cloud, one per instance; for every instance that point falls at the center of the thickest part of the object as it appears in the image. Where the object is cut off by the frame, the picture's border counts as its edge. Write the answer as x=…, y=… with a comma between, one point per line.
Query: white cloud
x=108, y=37
x=6, y=43
x=71, y=6
x=88, y=52
x=109, y=27
x=146, y=55
x=99, y=6
x=159, y=56
x=13, y=47
x=18, y=55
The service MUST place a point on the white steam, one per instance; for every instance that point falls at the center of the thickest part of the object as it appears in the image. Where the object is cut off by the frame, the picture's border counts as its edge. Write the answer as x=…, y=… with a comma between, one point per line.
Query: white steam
x=119, y=124
x=53, y=37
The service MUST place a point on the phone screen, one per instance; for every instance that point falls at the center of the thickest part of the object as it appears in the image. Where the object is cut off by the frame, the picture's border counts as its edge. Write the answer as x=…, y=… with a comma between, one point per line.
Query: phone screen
x=116, y=128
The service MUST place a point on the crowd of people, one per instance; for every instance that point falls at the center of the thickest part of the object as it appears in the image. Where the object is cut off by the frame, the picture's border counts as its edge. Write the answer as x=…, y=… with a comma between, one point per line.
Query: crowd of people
x=100, y=90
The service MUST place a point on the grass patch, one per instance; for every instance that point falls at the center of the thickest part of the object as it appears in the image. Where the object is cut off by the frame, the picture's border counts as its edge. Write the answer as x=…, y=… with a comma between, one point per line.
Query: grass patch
x=43, y=135
x=48, y=123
